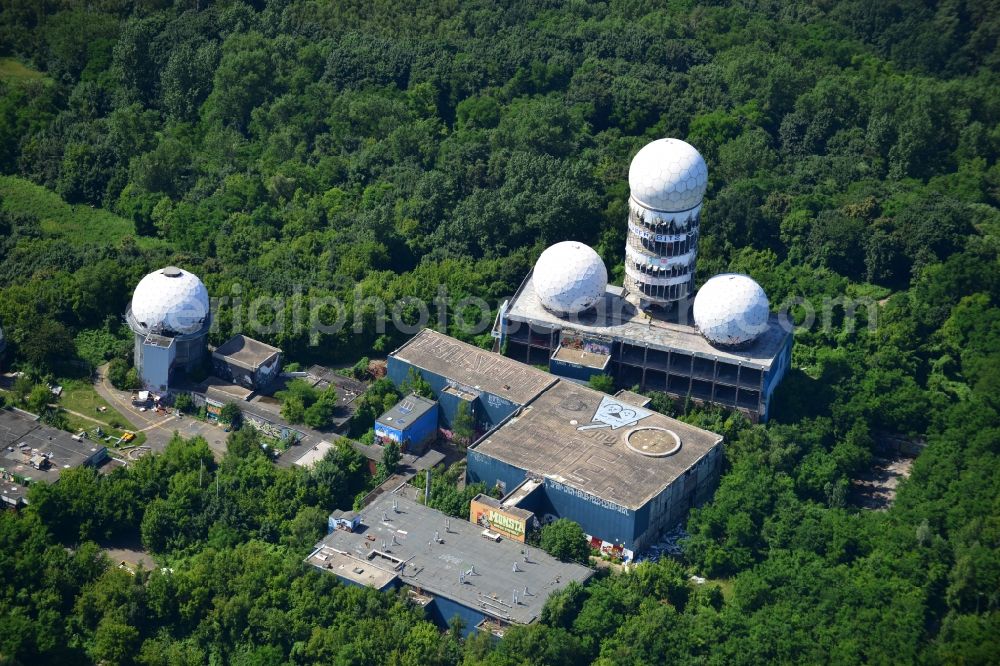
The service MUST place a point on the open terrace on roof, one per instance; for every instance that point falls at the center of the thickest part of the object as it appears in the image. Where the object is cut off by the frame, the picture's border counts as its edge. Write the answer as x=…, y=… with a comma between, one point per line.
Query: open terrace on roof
x=246, y=352
x=616, y=317
x=401, y=542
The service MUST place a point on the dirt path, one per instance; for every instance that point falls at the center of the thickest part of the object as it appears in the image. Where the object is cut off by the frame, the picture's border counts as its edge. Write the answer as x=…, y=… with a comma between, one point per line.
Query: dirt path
x=84, y=416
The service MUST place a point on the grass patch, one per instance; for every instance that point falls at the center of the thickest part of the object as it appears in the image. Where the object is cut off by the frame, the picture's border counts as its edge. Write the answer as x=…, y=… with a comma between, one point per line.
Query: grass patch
x=81, y=396
x=78, y=224
x=12, y=70
x=725, y=584
x=76, y=424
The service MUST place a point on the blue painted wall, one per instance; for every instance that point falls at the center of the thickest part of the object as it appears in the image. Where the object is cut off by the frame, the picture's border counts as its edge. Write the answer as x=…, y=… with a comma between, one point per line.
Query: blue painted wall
x=777, y=373
x=572, y=371
x=481, y=468
x=496, y=408
x=441, y=610
x=449, y=407
x=488, y=409
x=534, y=501
x=611, y=524
x=416, y=432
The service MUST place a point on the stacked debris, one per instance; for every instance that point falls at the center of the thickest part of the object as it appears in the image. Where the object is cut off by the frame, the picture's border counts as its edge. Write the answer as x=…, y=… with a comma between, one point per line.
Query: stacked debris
x=669, y=544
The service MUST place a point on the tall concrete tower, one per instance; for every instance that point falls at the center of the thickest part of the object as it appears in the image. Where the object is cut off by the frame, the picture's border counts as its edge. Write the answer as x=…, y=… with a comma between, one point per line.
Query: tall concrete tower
x=667, y=179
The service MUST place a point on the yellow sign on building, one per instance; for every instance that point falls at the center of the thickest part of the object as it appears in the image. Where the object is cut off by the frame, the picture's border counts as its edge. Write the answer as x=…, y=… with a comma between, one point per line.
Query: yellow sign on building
x=497, y=520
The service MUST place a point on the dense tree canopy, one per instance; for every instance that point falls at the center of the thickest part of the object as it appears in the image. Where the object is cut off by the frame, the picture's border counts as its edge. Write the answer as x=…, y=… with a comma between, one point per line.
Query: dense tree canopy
x=326, y=156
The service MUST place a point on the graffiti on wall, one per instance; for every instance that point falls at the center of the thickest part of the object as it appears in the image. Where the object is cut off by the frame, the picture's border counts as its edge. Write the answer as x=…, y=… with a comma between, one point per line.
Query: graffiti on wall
x=585, y=343
x=497, y=520
x=584, y=495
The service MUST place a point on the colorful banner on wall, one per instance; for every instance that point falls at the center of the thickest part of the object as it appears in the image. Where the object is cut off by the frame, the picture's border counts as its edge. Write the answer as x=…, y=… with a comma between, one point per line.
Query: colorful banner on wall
x=497, y=520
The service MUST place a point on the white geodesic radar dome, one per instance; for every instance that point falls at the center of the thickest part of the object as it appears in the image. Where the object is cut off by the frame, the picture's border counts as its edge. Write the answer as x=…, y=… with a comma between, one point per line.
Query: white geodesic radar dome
x=668, y=175
x=731, y=309
x=569, y=277
x=171, y=300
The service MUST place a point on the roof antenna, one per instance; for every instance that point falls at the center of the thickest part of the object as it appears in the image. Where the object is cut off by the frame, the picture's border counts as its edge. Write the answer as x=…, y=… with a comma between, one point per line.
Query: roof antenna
x=395, y=506
x=461, y=579
x=437, y=536
x=515, y=568
x=515, y=597
x=526, y=591
x=447, y=525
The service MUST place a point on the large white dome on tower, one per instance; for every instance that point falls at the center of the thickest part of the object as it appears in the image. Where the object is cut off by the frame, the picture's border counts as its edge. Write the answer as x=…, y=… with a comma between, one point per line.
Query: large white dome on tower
x=668, y=175
x=171, y=300
x=731, y=309
x=569, y=277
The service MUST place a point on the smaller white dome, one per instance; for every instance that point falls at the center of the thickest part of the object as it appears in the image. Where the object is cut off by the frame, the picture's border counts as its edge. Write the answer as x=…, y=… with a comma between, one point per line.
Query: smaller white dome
x=668, y=175
x=731, y=309
x=569, y=277
x=171, y=300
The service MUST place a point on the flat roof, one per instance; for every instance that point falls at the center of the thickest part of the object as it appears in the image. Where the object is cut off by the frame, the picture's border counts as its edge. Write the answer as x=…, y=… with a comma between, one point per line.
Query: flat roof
x=616, y=317
x=581, y=357
x=362, y=572
x=510, y=508
x=580, y=437
x=405, y=412
x=220, y=391
x=245, y=352
x=435, y=566
x=156, y=340
x=12, y=494
x=314, y=454
x=633, y=398
x=22, y=432
x=474, y=367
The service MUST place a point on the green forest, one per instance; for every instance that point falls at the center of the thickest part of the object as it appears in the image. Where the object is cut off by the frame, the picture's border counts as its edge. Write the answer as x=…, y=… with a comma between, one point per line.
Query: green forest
x=306, y=149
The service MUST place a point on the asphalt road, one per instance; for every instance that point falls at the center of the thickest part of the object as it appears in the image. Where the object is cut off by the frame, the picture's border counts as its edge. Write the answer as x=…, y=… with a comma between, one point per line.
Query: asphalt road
x=160, y=428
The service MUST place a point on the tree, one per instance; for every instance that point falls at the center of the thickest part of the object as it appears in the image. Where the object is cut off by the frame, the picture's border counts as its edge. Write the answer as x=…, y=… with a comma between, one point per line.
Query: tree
x=114, y=642
x=360, y=369
x=379, y=398
x=22, y=388
x=564, y=539
x=298, y=396
x=603, y=383
x=386, y=467
x=118, y=374
x=292, y=409
x=47, y=344
x=184, y=403
x=415, y=383
x=39, y=398
x=462, y=425
x=132, y=381
x=320, y=414
x=231, y=414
